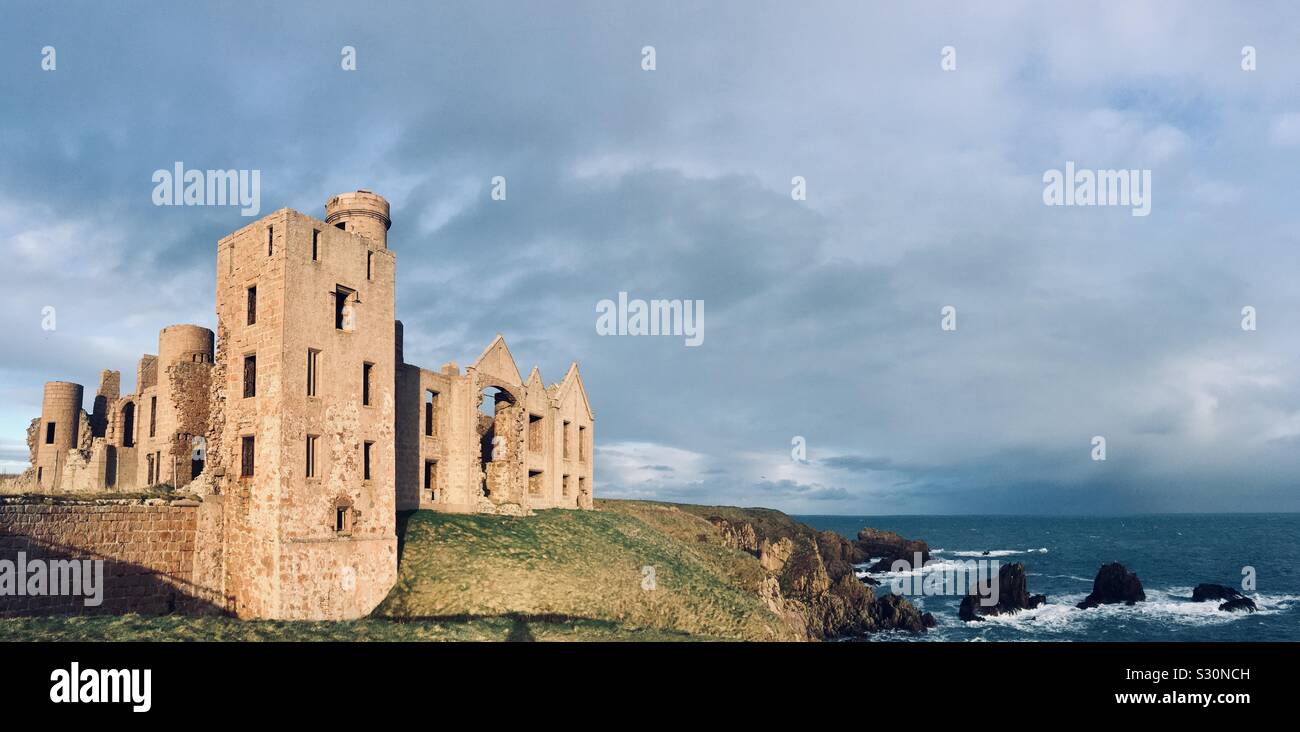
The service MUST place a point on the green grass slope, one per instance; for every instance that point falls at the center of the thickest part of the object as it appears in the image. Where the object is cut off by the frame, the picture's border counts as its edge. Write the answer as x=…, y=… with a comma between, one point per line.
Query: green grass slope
x=586, y=565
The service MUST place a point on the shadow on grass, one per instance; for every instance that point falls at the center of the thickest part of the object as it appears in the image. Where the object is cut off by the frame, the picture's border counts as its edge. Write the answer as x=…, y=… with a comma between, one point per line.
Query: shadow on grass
x=403, y=518
x=522, y=625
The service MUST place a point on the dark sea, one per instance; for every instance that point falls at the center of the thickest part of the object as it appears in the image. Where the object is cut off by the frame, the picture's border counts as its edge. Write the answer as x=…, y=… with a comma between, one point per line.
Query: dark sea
x=1171, y=554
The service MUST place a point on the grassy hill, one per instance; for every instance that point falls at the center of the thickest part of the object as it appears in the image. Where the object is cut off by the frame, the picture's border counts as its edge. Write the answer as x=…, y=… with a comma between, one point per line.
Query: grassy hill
x=641, y=565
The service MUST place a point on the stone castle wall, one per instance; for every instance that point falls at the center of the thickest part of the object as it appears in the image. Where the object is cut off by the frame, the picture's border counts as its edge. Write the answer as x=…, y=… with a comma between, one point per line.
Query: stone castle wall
x=152, y=558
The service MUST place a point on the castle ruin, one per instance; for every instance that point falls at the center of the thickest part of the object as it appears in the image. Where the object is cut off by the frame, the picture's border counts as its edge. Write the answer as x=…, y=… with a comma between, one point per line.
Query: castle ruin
x=303, y=429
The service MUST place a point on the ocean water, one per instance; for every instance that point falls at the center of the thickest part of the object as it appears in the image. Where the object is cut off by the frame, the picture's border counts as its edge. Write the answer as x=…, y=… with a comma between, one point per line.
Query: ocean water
x=1171, y=554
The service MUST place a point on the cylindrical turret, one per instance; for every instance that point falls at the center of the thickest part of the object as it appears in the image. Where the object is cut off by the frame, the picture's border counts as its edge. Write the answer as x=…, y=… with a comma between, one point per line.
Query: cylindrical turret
x=363, y=213
x=177, y=343
x=59, y=429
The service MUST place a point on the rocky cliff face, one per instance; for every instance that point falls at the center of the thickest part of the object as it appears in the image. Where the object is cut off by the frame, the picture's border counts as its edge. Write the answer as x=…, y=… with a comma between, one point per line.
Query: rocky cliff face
x=812, y=583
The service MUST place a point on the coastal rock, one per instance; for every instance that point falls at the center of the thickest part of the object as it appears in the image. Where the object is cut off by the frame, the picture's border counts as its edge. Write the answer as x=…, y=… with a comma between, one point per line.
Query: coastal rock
x=774, y=555
x=1207, y=591
x=968, y=610
x=1114, y=584
x=928, y=620
x=802, y=572
x=737, y=535
x=1013, y=596
x=1241, y=604
x=895, y=612
x=837, y=552
x=888, y=547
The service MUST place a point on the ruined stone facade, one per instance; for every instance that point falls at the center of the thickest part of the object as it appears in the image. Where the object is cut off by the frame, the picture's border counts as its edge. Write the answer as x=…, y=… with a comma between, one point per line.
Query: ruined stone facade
x=300, y=419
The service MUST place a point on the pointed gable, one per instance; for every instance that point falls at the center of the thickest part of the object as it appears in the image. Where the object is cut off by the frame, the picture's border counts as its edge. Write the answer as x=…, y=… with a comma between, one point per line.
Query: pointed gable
x=496, y=363
x=571, y=386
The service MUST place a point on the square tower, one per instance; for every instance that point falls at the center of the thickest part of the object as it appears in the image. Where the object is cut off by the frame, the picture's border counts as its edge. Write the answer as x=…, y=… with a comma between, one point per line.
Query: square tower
x=305, y=313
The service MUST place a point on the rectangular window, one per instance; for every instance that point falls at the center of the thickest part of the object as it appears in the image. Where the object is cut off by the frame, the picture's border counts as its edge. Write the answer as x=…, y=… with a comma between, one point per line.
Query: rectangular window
x=311, y=456
x=370, y=264
x=582, y=443
x=49, y=433
x=366, y=449
x=534, y=433
x=313, y=366
x=430, y=477
x=564, y=485
x=430, y=409
x=315, y=245
x=153, y=416
x=252, y=305
x=568, y=448
x=582, y=485
x=250, y=376
x=367, y=372
x=342, y=519
x=270, y=232
x=342, y=309
x=246, y=456
x=534, y=482
x=148, y=461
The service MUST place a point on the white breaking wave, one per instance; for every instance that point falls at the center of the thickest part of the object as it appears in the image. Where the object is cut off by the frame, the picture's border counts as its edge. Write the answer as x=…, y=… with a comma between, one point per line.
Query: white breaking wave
x=997, y=552
x=1169, y=606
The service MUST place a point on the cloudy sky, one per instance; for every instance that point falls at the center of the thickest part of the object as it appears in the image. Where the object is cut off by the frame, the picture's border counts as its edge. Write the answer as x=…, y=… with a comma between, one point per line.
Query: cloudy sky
x=822, y=316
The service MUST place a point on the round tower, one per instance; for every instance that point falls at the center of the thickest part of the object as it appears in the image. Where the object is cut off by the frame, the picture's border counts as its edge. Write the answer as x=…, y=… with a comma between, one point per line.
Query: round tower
x=360, y=212
x=59, y=429
x=177, y=343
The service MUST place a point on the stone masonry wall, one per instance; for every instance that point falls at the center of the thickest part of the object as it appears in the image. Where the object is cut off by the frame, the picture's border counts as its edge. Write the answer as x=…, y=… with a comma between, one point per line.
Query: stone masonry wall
x=148, y=550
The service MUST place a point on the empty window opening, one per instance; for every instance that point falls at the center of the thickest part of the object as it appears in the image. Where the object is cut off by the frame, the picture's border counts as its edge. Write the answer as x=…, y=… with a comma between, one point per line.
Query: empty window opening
x=313, y=365
x=149, y=462
x=366, y=450
x=367, y=376
x=535, y=483
x=246, y=456
x=496, y=430
x=564, y=485
x=252, y=305
x=128, y=425
x=582, y=443
x=582, y=485
x=344, y=307
x=250, y=376
x=311, y=456
x=568, y=443
x=343, y=519
x=270, y=233
x=430, y=412
x=49, y=433
x=40, y=474
x=153, y=416
x=315, y=245
x=198, y=454
x=535, y=433
x=431, y=478
x=370, y=264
